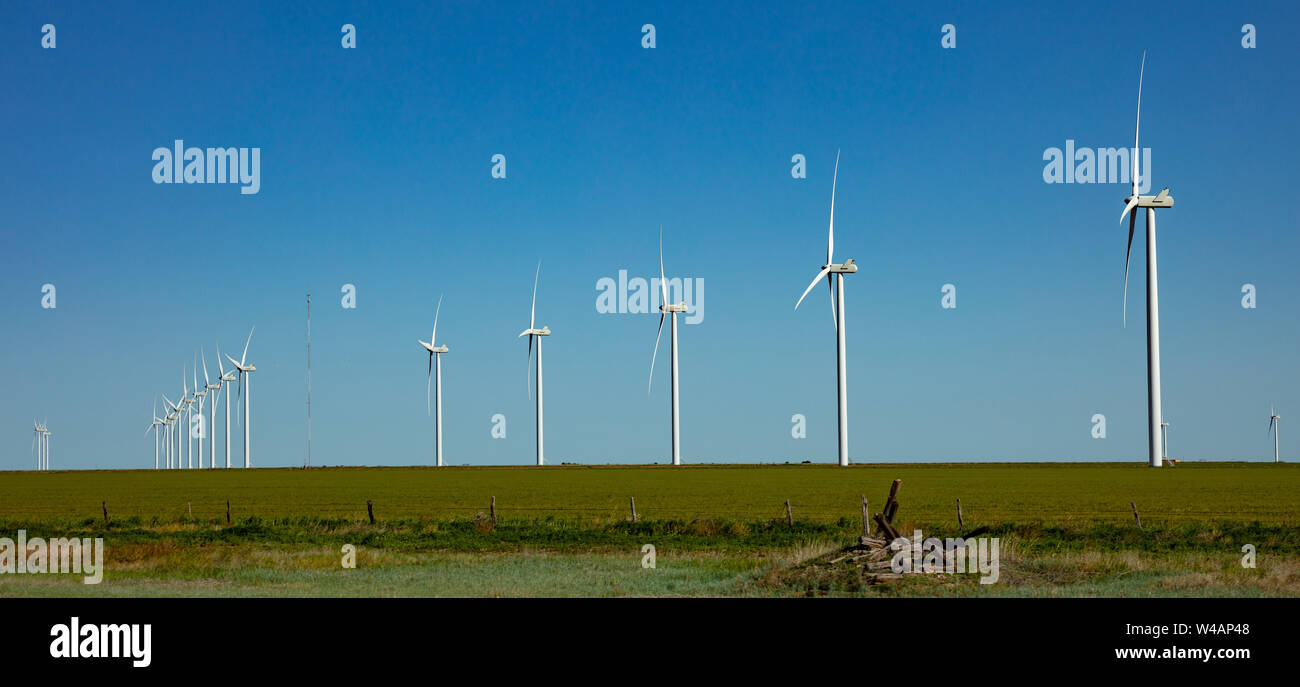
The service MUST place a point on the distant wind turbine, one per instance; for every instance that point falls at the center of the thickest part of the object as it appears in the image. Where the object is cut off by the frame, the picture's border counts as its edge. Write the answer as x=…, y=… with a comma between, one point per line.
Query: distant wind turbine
x=225, y=378
x=188, y=402
x=212, y=390
x=154, y=426
x=837, y=315
x=533, y=332
x=1164, y=439
x=1150, y=203
x=173, y=437
x=38, y=445
x=435, y=351
x=1273, y=418
x=246, y=386
x=200, y=395
x=664, y=309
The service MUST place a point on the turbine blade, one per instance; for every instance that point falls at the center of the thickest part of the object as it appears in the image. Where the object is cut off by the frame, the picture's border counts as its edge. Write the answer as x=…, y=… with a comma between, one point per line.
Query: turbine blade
x=532, y=315
x=656, y=352
x=830, y=287
x=528, y=371
x=825, y=270
x=1132, y=220
x=663, y=281
x=830, y=240
x=433, y=339
x=1137, y=152
x=206, y=379
x=428, y=405
x=244, y=357
x=220, y=368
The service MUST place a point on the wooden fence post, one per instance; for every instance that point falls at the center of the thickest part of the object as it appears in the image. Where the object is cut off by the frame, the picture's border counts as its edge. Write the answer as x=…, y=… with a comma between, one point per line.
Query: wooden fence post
x=370, y=510
x=227, y=511
x=1135, y=514
x=633, y=500
x=104, y=504
x=492, y=511
x=960, y=523
x=789, y=516
x=866, y=518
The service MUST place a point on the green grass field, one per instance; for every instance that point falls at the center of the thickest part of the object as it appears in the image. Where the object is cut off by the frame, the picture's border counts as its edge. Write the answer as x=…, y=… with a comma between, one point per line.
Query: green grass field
x=1068, y=529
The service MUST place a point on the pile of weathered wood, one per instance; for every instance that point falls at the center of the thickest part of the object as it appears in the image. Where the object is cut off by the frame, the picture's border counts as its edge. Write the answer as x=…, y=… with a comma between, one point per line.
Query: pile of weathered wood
x=874, y=551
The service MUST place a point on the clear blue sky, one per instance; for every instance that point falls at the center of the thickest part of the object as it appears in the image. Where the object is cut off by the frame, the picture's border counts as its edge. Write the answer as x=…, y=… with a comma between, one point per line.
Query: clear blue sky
x=375, y=171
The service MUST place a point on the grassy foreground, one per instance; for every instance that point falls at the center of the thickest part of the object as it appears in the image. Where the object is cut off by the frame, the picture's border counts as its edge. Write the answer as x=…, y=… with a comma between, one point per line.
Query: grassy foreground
x=1065, y=530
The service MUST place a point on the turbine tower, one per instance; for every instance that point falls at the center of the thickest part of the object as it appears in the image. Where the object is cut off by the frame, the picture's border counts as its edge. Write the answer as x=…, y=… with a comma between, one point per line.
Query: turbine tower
x=435, y=351
x=173, y=438
x=246, y=386
x=1133, y=204
x=154, y=426
x=200, y=395
x=532, y=332
x=836, y=287
x=664, y=309
x=1164, y=439
x=214, y=391
x=188, y=402
x=224, y=379
x=1273, y=417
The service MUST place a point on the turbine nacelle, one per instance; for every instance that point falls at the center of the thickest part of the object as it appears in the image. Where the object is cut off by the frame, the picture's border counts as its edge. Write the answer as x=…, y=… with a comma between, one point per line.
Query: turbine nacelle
x=434, y=349
x=544, y=331
x=1162, y=200
x=848, y=267
x=674, y=307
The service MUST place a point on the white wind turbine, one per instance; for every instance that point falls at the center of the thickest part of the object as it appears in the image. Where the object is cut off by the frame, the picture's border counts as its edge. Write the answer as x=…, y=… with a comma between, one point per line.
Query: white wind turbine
x=1273, y=418
x=1150, y=203
x=200, y=395
x=1164, y=439
x=45, y=447
x=246, y=389
x=173, y=435
x=837, y=315
x=664, y=309
x=38, y=445
x=188, y=402
x=214, y=391
x=435, y=351
x=532, y=332
x=154, y=426
x=224, y=379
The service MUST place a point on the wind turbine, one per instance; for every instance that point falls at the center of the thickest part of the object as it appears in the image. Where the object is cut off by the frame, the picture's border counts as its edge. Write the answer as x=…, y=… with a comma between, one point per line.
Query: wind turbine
x=214, y=389
x=187, y=400
x=664, y=309
x=154, y=426
x=224, y=379
x=532, y=332
x=38, y=444
x=837, y=315
x=246, y=387
x=45, y=447
x=173, y=437
x=435, y=351
x=1273, y=417
x=200, y=396
x=1150, y=203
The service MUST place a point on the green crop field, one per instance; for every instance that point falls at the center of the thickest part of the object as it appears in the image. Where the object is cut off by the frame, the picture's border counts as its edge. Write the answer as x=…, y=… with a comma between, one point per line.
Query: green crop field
x=1067, y=529
x=1030, y=492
